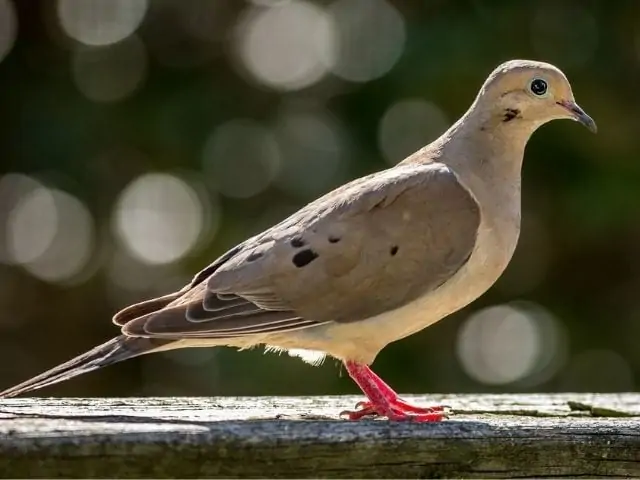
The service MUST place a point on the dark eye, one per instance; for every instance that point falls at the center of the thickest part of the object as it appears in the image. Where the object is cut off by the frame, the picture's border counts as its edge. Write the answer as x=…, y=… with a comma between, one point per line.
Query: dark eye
x=538, y=87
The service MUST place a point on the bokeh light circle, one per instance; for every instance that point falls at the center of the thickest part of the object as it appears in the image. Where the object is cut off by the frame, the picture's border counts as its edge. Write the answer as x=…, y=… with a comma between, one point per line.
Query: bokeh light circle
x=286, y=46
x=100, y=22
x=158, y=218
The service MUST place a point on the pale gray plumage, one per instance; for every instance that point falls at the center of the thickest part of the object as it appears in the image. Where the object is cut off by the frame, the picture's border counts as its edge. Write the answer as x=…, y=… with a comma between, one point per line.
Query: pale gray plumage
x=357, y=235
x=374, y=260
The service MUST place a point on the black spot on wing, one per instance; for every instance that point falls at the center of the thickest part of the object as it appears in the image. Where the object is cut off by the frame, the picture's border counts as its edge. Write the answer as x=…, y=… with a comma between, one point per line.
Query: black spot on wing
x=305, y=257
x=393, y=250
x=333, y=239
x=297, y=242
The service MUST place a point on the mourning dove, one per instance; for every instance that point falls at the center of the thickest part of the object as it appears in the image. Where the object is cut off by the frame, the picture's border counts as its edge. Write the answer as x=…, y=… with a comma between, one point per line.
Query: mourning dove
x=369, y=263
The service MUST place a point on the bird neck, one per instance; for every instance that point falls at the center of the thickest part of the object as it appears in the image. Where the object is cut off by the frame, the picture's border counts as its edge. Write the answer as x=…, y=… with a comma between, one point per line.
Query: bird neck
x=487, y=155
x=486, y=146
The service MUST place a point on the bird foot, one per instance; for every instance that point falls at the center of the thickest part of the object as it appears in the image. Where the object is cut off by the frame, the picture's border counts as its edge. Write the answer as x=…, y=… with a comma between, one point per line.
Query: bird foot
x=397, y=410
x=384, y=402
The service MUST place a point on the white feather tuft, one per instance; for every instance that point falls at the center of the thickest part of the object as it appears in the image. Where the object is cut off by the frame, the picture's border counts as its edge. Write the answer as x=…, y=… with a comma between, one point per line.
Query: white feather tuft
x=312, y=357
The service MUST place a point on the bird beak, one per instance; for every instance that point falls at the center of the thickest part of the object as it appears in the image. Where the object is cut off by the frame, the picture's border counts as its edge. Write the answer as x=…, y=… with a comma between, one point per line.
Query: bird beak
x=578, y=114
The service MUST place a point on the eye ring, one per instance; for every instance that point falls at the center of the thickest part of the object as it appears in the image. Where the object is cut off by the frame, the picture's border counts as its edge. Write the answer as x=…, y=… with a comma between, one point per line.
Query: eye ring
x=538, y=87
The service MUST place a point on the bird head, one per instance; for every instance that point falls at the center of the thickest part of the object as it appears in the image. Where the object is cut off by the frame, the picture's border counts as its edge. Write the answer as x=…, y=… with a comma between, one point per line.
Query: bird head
x=525, y=93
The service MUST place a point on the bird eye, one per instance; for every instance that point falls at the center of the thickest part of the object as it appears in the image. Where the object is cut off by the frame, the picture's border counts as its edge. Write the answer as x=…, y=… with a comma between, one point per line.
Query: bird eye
x=538, y=87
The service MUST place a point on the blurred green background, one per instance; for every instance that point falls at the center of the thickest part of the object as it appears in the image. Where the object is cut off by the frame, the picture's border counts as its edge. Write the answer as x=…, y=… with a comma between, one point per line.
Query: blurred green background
x=142, y=138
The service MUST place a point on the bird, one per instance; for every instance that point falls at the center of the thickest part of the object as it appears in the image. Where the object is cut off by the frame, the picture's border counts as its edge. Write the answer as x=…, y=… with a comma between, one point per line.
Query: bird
x=369, y=263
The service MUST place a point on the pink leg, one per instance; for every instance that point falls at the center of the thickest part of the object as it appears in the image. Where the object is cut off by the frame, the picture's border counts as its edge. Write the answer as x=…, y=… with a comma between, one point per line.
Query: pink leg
x=393, y=396
x=383, y=401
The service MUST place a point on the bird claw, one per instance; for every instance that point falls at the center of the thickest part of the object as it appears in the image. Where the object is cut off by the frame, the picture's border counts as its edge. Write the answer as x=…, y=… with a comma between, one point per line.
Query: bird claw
x=361, y=413
x=399, y=410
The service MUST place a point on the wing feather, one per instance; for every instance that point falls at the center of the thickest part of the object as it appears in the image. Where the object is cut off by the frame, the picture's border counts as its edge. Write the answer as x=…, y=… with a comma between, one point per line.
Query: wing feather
x=366, y=248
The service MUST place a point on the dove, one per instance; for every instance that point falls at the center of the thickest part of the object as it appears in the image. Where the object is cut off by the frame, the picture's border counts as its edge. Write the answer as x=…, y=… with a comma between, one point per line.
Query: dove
x=369, y=263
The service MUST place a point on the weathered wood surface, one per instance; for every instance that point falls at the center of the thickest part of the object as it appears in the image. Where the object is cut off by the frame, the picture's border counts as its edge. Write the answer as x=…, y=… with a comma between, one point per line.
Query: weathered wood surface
x=486, y=436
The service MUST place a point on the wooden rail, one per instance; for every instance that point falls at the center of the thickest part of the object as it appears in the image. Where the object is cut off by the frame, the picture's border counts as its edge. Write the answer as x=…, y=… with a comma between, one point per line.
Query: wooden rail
x=299, y=437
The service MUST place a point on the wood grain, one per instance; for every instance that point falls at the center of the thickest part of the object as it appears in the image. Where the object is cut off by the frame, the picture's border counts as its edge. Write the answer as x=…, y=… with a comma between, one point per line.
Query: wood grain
x=488, y=436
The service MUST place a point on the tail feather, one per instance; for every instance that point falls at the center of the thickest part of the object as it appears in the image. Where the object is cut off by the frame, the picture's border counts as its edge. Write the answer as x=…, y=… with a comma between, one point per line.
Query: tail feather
x=115, y=350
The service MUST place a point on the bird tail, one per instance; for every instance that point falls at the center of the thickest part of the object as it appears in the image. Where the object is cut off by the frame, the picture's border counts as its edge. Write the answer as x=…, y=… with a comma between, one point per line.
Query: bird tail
x=115, y=350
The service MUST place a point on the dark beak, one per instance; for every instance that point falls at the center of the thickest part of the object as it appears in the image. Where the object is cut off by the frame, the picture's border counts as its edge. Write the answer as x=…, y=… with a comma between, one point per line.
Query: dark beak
x=579, y=114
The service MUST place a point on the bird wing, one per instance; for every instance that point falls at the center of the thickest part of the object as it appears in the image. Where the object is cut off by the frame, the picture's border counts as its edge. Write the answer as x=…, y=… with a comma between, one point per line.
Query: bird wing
x=371, y=246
